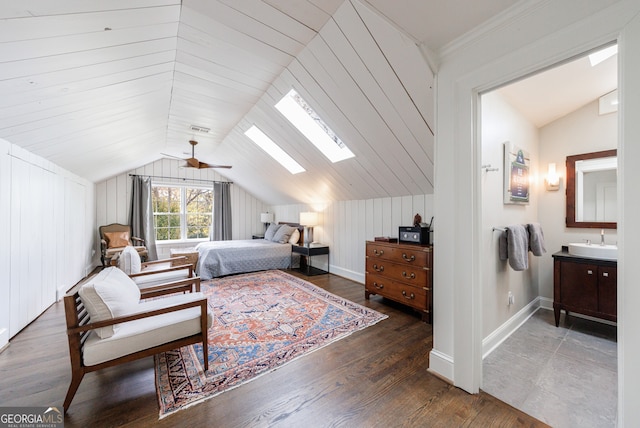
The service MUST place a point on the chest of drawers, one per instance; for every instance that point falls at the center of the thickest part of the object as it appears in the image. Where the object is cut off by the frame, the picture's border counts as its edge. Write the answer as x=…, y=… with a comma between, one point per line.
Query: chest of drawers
x=401, y=272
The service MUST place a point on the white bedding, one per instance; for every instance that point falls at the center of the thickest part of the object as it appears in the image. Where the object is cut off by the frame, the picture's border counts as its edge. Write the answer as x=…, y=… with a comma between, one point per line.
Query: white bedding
x=219, y=258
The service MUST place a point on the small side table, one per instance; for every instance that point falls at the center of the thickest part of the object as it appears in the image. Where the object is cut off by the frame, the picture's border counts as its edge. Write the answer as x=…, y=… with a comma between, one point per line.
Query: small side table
x=190, y=253
x=310, y=250
x=257, y=236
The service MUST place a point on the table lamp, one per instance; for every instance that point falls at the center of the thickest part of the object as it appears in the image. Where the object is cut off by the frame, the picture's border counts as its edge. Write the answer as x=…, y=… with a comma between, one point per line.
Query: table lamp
x=308, y=220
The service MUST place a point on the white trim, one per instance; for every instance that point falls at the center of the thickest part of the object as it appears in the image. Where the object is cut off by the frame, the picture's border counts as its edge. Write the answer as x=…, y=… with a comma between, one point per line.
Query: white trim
x=499, y=335
x=502, y=333
x=441, y=364
x=61, y=291
x=515, y=12
x=346, y=273
x=547, y=303
x=4, y=338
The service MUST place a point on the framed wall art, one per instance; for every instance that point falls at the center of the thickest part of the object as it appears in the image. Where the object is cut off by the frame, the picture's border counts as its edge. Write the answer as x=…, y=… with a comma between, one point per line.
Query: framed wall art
x=516, y=174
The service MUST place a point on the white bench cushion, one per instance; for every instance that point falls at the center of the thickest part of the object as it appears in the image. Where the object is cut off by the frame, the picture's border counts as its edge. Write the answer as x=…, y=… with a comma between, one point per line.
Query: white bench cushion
x=129, y=260
x=144, y=281
x=109, y=294
x=146, y=333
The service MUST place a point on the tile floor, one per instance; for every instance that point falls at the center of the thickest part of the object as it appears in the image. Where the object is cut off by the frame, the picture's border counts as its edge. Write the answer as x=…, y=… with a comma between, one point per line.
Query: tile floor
x=565, y=376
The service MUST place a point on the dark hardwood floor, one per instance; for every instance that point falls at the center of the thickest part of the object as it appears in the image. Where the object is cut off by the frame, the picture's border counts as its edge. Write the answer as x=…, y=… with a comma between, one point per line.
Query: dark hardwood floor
x=376, y=377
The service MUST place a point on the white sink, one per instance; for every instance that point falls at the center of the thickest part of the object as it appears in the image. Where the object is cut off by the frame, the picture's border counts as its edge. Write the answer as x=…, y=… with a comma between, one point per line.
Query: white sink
x=595, y=251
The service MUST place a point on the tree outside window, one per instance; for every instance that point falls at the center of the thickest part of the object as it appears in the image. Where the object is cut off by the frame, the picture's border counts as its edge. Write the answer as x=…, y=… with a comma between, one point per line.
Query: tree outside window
x=181, y=212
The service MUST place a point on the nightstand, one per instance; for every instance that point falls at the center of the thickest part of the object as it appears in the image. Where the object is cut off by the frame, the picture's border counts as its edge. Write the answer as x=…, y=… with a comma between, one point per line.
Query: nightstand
x=257, y=236
x=310, y=250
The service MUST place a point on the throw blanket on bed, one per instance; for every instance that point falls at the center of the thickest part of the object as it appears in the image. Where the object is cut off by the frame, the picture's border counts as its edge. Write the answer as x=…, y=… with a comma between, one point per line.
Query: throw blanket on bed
x=219, y=258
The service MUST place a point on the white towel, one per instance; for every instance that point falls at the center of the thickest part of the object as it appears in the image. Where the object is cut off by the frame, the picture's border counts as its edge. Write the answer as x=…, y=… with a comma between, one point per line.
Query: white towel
x=536, y=239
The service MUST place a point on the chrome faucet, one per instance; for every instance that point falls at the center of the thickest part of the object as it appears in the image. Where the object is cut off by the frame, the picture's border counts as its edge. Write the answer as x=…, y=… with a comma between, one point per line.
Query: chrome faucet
x=601, y=236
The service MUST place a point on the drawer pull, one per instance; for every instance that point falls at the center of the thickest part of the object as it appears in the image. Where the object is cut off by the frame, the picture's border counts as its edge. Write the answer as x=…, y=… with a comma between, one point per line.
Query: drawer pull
x=605, y=274
x=589, y=272
x=408, y=296
x=408, y=259
x=378, y=269
x=412, y=276
x=379, y=287
x=378, y=253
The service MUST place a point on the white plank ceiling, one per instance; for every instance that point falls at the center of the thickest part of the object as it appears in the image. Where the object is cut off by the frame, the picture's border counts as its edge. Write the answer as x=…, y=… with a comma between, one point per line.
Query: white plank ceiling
x=100, y=88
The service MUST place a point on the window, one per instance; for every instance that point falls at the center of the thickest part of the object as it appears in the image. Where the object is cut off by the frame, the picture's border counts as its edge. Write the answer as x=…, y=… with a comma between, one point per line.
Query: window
x=273, y=150
x=181, y=212
x=303, y=117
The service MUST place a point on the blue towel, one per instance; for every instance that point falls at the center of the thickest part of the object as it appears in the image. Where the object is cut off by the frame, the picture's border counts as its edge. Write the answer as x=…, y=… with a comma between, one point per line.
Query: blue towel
x=536, y=239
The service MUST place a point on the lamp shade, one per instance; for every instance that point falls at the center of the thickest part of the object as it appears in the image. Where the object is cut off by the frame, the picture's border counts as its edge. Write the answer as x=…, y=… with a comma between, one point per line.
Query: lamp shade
x=266, y=217
x=309, y=218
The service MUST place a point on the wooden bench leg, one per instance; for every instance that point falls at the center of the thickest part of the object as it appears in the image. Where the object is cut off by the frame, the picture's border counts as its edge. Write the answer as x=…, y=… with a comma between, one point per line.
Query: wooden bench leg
x=76, y=378
x=204, y=329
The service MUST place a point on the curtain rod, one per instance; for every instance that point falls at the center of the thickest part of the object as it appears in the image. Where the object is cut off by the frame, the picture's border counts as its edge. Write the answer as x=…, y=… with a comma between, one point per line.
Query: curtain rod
x=179, y=178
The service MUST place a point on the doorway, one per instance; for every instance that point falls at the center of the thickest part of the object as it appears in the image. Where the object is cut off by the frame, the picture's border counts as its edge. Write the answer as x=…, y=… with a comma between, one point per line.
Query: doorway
x=549, y=116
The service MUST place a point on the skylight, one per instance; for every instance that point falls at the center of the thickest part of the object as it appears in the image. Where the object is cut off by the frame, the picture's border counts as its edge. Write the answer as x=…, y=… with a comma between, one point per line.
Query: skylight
x=303, y=117
x=601, y=55
x=273, y=150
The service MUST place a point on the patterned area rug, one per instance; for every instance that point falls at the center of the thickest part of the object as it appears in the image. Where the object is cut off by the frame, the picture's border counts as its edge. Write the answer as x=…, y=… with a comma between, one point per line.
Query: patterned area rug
x=261, y=321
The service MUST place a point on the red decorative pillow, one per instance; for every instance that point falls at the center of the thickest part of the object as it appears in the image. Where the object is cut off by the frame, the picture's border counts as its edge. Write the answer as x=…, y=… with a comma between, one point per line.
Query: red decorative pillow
x=116, y=239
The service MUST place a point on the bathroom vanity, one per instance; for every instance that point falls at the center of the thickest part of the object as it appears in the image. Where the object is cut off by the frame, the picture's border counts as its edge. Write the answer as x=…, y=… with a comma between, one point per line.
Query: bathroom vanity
x=584, y=285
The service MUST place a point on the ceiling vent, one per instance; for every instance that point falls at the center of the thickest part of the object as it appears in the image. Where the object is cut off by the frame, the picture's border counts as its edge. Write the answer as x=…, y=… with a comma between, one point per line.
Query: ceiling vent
x=201, y=129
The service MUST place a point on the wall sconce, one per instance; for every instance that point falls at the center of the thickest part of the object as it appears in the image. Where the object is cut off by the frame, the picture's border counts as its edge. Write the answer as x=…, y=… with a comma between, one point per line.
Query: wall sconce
x=267, y=219
x=552, y=182
x=308, y=220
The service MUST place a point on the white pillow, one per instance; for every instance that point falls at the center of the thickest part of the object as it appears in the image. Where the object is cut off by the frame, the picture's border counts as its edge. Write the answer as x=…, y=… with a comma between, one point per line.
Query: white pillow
x=283, y=234
x=108, y=295
x=295, y=237
x=129, y=260
x=271, y=231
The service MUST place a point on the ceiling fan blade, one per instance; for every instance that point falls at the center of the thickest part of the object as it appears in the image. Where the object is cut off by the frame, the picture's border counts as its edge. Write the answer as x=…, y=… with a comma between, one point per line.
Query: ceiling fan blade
x=207, y=165
x=193, y=163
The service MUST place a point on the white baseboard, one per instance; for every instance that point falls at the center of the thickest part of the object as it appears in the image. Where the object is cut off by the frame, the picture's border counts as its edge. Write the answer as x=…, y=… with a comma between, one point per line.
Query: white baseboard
x=349, y=274
x=441, y=365
x=493, y=340
x=61, y=291
x=546, y=303
x=499, y=335
x=4, y=338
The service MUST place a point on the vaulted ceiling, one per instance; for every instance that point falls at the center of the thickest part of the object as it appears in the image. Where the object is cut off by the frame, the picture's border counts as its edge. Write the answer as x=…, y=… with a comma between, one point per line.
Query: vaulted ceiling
x=103, y=87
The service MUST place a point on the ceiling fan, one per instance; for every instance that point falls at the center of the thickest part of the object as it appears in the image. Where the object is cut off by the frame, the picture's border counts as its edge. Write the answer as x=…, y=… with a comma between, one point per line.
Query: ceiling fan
x=192, y=162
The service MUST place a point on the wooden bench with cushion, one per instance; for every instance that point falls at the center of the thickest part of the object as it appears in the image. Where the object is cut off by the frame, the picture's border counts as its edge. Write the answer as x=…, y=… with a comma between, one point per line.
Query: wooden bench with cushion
x=109, y=324
x=148, y=274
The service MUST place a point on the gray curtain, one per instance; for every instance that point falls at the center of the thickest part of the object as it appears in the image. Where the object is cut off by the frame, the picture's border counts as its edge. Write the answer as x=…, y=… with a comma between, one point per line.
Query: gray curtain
x=221, y=221
x=141, y=217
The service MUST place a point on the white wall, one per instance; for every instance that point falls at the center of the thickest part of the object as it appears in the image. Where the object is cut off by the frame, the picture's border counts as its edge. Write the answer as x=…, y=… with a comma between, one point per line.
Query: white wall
x=582, y=131
x=501, y=123
x=538, y=35
x=47, y=220
x=113, y=200
x=346, y=225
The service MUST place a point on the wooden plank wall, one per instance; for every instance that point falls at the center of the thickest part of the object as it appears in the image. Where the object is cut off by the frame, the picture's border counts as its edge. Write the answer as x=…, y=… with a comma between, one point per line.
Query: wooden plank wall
x=113, y=199
x=46, y=218
x=346, y=225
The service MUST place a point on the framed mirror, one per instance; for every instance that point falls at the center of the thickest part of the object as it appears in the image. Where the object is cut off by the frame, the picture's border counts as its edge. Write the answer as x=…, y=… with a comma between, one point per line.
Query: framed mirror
x=591, y=198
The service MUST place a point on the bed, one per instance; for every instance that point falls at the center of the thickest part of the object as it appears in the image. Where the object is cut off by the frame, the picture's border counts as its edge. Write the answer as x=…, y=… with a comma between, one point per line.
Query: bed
x=220, y=258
